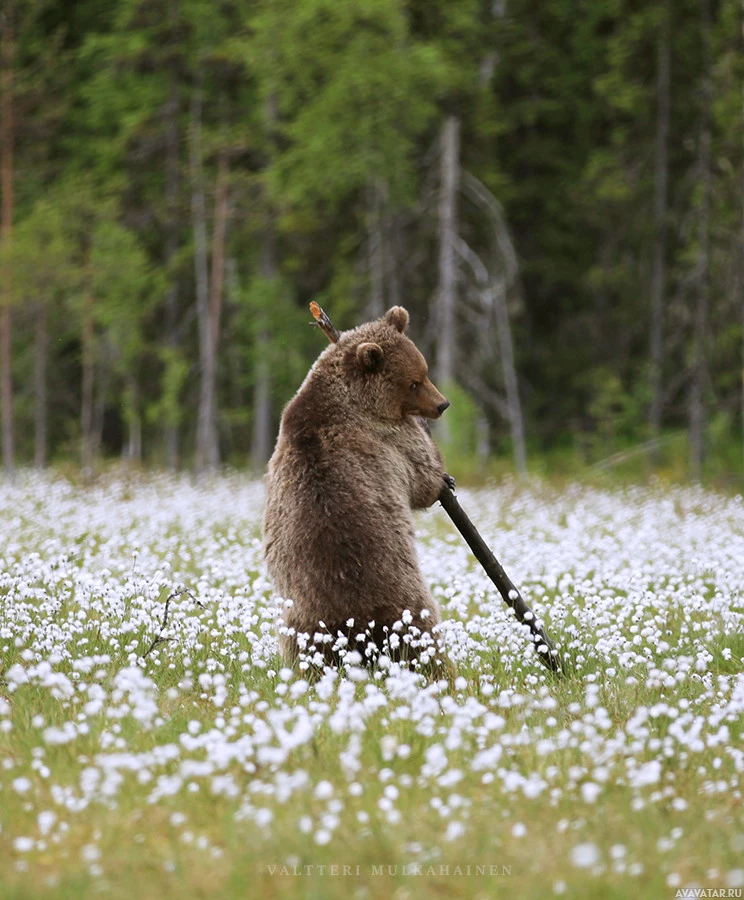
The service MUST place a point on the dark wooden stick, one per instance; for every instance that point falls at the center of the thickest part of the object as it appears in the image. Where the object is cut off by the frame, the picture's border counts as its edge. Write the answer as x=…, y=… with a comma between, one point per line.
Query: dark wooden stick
x=493, y=568
x=545, y=648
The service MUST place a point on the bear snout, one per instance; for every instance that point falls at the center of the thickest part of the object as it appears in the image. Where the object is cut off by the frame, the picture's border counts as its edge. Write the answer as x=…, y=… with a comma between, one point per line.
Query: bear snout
x=433, y=404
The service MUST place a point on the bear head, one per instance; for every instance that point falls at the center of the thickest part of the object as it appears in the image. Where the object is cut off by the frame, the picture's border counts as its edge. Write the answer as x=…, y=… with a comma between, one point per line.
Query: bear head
x=387, y=371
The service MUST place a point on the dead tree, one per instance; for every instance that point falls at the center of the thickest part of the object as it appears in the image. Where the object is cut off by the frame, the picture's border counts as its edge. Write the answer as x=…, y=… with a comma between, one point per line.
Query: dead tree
x=493, y=286
x=446, y=294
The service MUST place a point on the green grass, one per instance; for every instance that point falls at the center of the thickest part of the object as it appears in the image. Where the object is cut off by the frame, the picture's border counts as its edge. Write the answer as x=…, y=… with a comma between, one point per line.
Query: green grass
x=522, y=815
x=138, y=843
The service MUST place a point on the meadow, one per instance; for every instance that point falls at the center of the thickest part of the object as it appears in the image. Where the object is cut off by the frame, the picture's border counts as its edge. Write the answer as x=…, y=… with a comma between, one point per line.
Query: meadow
x=157, y=747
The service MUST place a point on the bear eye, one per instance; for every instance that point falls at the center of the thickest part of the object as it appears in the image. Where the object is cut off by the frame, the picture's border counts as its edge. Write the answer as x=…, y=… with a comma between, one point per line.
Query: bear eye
x=414, y=385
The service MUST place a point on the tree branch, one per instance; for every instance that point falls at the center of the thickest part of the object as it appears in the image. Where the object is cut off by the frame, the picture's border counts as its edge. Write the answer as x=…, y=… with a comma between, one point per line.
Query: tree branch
x=159, y=639
x=481, y=196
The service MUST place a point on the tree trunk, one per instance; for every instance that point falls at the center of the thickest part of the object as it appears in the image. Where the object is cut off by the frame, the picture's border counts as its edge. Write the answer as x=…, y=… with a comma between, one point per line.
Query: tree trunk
x=99, y=407
x=87, y=438
x=741, y=227
x=376, y=251
x=658, y=276
x=221, y=212
x=700, y=318
x=510, y=376
x=7, y=138
x=482, y=443
x=393, y=234
x=262, y=439
x=40, y=387
x=446, y=300
x=262, y=434
x=207, y=448
x=133, y=447
x=493, y=293
x=172, y=179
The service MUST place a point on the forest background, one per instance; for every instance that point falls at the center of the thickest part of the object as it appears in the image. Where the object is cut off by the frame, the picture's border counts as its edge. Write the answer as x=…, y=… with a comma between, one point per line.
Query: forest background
x=554, y=190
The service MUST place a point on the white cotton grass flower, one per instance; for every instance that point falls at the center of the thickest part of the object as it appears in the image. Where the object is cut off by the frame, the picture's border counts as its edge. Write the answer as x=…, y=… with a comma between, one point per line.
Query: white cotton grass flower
x=90, y=853
x=590, y=791
x=24, y=844
x=263, y=817
x=323, y=790
x=585, y=855
x=46, y=820
x=454, y=831
x=641, y=588
x=21, y=785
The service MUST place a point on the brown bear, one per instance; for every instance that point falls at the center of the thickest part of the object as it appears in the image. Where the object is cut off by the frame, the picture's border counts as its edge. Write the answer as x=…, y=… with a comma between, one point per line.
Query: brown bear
x=352, y=460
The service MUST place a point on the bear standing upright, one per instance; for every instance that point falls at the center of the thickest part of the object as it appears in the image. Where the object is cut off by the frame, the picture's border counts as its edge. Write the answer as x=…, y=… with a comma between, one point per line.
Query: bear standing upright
x=351, y=461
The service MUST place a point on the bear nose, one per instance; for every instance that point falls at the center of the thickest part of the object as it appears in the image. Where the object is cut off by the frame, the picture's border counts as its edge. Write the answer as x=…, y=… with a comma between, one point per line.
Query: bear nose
x=442, y=406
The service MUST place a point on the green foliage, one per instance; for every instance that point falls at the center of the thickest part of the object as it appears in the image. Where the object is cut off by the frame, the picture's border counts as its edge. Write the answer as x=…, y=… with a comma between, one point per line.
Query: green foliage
x=266, y=305
x=168, y=407
x=326, y=115
x=124, y=290
x=458, y=434
x=617, y=414
x=41, y=256
x=352, y=96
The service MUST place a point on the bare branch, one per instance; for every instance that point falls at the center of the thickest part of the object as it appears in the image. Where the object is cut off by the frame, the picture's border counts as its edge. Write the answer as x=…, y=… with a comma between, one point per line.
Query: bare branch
x=646, y=447
x=491, y=397
x=493, y=294
x=481, y=196
x=480, y=273
x=159, y=639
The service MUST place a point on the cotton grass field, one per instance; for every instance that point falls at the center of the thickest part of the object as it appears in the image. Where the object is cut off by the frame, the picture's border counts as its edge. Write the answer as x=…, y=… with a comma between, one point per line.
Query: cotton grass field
x=145, y=754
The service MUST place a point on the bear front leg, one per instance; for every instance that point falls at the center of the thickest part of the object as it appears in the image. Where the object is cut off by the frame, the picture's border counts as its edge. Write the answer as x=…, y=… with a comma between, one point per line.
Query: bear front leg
x=426, y=469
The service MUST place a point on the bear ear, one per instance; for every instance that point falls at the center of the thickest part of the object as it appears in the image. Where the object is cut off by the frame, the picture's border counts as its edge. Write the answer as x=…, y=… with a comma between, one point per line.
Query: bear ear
x=370, y=355
x=397, y=316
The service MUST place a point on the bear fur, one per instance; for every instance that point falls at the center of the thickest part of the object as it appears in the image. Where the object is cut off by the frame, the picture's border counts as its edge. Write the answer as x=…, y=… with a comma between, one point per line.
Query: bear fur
x=351, y=462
